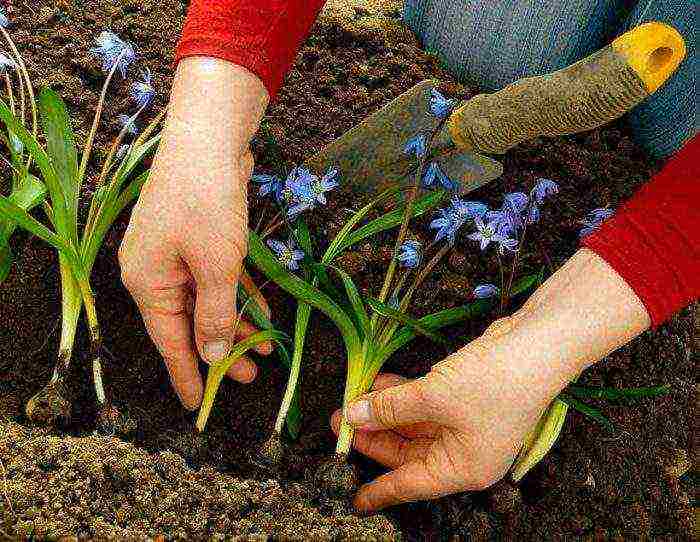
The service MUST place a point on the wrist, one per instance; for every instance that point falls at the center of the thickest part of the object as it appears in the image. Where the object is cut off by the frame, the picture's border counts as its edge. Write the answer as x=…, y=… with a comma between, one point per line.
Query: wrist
x=218, y=104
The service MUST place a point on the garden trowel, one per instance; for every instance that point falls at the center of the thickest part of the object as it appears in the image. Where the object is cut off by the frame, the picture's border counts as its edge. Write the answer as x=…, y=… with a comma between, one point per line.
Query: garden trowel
x=594, y=91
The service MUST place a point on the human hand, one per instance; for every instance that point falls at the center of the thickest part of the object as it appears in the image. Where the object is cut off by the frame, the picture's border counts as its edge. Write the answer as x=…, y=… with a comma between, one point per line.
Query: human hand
x=182, y=254
x=460, y=427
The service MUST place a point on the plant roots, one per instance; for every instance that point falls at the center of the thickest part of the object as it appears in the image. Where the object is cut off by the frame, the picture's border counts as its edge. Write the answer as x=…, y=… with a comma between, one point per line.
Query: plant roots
x=337, y=478
x=110, y=421
x=270, y=454
x=50, y=406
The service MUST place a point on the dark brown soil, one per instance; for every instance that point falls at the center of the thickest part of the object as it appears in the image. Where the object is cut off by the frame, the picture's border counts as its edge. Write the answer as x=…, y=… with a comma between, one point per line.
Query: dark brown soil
x=163, y=481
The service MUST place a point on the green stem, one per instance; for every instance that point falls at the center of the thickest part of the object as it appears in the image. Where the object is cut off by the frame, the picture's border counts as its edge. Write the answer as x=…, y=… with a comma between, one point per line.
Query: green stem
x=71, y=305
x=354, y=387
x=95, y=339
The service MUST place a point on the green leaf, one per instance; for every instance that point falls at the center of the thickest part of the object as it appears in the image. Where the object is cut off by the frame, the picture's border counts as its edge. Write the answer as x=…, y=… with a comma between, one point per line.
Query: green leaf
x=6, y=260
x=417, y=325
x=612, y=394
x=12, y=212
x=392, y=219
x=49, y=175
x=587, y=410
x=264, y=260
x=218, y=370
x=60, y=147
x=356, y=302
x=30, y=193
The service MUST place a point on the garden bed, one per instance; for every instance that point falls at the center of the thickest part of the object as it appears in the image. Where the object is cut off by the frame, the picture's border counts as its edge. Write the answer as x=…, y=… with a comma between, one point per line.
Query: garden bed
x=159, y=480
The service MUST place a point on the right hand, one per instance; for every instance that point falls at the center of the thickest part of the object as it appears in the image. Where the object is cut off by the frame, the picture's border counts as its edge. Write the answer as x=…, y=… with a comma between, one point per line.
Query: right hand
x=182, y=255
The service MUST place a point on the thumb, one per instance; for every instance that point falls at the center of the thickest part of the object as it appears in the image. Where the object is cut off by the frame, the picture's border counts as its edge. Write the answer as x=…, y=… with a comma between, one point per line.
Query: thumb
x=406, y=404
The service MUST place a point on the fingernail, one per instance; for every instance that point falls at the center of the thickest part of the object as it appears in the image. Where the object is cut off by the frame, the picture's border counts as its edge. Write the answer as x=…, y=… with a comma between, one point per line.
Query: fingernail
x=216, y=350
x=359, y=412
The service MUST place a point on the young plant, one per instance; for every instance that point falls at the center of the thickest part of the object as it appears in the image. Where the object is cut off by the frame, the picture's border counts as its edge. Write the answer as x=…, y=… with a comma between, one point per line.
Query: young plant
x=63, y=174
x=372, y=328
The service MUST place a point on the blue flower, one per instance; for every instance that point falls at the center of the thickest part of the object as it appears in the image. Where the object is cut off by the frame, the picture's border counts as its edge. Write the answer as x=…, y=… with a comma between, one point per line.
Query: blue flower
x=543, y=189
x=6, y=63
x=440, y=106
x=4, y=21
x=410, y=253
x=122, y=152
x=594, y=219
x=269, y=184
x=114, y=51
x=142, y=92
x=483, y=291
x=533, y=213
x=303, y=190
x=287, y=253
x=416, y=145
x=487, y=233
x=451, y=219
x=434, y=174
x=125, y=121
x=508, y=220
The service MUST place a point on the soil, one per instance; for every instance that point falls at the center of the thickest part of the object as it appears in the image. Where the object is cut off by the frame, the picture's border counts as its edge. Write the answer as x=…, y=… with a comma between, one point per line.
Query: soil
x=160, y=481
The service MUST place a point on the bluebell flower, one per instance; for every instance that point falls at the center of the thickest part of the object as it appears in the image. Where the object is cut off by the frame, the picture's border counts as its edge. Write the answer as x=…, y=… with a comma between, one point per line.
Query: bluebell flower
x=287, y=253
x=440, y=106
x=125, y=121
x=594, y=219
x=6, y=63
x=142, y=92
x=4, y=21
x=483, y=291
x=325, y=184
x=487, y=233
x=533, y=213
x=269, y=184
x=410, y=253
x=112, y=50
x=508, y=220
x=451, y=219
x=416, y=145
x=434, y=174
x=303, y=190
x=543, y=189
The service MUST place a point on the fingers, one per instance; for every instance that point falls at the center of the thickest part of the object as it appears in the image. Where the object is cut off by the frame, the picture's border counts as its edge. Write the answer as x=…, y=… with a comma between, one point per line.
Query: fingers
x=386, y=447
x=413, y=481
x=254, y=292
x=405, y=404
x=245, y=329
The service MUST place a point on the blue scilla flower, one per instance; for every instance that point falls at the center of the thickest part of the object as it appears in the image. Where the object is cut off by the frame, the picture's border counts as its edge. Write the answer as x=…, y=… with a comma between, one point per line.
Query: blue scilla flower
x=303, y=190
x=440, y=106
x=483, y=291
x=594, y=219
x=464, y=210
x=269, y=184
x=487, y=233
x=287, y=253
x=112, y=50
x=4, y=21
x=142, y=91
x=125, y=121
x=410, y=253
x=416, y=145
x=435, y=176
x=543, y=189
x=451, y=219
x=325, y=184
x=446, y=226
x=6, y=63
x=533, y=213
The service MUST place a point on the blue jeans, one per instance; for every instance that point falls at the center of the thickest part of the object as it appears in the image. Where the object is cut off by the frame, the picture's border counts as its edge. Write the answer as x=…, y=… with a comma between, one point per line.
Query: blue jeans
x=488, y=44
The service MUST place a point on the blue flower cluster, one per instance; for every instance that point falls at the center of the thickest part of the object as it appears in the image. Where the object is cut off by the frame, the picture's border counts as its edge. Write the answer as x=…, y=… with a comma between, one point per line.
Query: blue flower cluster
x=501, y=226
x=4, y=21
x=410, y=254
x=483, y=291
x=142, y=91
x=287, y=253
x=112, y=50
x=301, y=191
x=594, y=219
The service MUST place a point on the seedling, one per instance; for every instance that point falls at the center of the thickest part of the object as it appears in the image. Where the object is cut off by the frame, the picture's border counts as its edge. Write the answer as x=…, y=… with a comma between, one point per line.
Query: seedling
x=63, y=174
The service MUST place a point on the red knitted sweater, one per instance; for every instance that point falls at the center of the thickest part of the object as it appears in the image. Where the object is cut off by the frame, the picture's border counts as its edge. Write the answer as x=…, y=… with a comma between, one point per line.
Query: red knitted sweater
x=653, y=241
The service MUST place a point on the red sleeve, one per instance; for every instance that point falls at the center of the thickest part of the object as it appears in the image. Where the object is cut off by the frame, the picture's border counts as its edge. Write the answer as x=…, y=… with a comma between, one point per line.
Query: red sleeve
x=260, y=35
x=653, y=241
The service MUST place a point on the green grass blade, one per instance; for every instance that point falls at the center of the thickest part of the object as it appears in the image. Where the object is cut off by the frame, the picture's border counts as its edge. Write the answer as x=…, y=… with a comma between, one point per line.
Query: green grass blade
x=264, y=260
x=392, y=219
x=587, y=410
x=417, y=325
x=12, y=212
x=612, y=394
x=218, y=370
x=358, y=305
x=49, y=175
x=30, y=193
x=60, y=147
x=134, y=158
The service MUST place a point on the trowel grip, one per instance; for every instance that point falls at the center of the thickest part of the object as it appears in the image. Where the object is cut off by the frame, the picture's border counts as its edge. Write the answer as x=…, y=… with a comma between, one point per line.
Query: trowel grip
x=594, y=91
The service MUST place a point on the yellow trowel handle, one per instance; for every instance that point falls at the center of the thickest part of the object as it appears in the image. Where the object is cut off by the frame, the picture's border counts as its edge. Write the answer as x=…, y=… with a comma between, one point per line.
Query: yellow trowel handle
x=588, y=94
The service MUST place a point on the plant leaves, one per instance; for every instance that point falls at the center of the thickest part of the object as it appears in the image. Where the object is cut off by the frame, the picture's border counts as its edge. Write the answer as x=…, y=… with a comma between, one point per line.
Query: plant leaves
x=587, y=410
x=417, y=325
x=6, y=259
x=358, y=305
x=60, y=147
x=12, y=212
x=218, y=370
x=612, y=394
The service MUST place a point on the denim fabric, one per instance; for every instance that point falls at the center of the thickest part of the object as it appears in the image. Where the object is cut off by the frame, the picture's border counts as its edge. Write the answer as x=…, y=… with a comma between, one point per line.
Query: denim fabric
x=489, y=44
